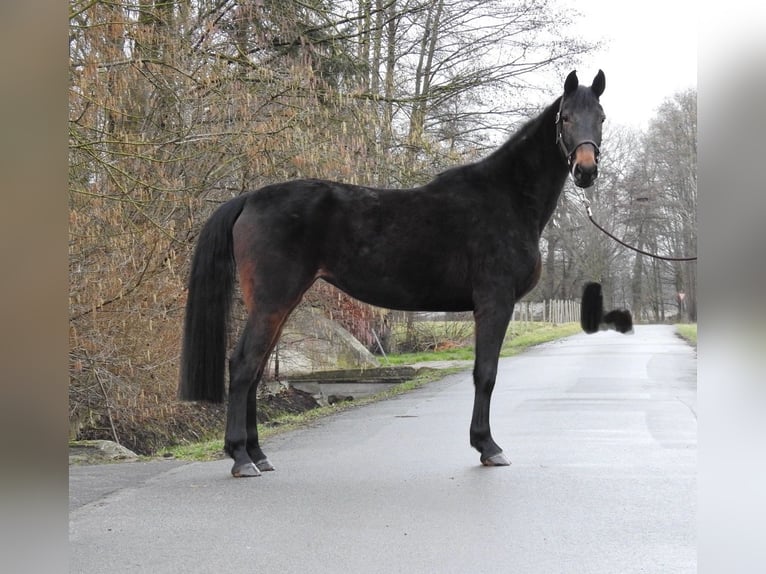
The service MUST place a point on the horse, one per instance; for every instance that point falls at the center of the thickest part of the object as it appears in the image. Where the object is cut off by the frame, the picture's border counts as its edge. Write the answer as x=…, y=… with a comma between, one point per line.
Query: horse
x=466, y=241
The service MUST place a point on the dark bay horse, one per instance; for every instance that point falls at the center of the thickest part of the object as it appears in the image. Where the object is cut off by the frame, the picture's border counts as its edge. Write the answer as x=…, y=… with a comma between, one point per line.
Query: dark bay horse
x=468, y=240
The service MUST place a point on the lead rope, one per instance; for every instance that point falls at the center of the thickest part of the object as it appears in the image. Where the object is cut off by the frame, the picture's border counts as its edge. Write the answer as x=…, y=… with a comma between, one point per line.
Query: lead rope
x=586, y=203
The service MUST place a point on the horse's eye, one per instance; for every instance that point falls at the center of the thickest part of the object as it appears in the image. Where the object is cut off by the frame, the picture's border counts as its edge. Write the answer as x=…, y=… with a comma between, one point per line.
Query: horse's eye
x=602, y=119
x=565, y=118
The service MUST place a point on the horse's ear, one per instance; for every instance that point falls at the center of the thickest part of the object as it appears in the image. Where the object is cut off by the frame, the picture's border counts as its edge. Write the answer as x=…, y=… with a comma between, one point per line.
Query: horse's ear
x=571, y=83
x=599, y=83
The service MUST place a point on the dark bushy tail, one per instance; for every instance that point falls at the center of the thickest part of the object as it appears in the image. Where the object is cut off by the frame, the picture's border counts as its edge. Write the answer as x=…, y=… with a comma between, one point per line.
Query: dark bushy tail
x=620, y=320
x=591, y=308
x=211, y=286
x=592, y=317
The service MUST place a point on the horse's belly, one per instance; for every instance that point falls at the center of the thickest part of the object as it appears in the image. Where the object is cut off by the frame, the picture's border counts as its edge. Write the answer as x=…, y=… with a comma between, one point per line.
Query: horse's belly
x=405, y=293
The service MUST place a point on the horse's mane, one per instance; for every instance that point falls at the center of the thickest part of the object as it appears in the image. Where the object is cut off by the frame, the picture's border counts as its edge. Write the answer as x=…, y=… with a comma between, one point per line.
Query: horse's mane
x=521, y=137
x=529, y=130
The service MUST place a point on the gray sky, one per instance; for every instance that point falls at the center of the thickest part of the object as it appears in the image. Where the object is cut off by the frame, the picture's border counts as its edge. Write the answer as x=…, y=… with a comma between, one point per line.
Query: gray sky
x=649, y=53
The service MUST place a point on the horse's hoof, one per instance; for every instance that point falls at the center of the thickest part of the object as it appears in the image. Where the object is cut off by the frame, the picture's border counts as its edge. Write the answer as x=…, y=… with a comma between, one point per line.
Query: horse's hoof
x=264, y=465
x=245, y=470
x=498, y=459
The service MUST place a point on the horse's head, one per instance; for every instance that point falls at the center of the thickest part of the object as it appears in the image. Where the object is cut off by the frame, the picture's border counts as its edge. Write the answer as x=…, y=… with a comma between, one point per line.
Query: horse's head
x=578, y=127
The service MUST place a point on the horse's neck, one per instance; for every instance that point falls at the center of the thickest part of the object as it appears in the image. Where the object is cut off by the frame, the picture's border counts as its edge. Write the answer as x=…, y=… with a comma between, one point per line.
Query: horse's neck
x=530, y=167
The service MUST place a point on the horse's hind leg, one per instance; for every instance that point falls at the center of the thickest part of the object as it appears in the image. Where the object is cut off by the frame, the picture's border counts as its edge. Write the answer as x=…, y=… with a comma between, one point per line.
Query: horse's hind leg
x=257, y=455
x=244, y=372
x=273, y=277
x=246, y=368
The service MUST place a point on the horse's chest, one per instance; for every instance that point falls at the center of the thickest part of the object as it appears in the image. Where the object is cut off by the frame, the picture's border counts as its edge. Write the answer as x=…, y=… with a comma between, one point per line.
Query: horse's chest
x=512, y=257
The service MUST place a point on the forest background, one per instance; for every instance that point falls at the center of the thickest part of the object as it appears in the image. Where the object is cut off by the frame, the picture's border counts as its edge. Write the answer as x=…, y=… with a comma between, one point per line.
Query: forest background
x=178, y=105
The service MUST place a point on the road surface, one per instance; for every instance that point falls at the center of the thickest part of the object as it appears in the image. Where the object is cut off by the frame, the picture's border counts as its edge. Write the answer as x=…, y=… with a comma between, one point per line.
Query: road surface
x=601, y=431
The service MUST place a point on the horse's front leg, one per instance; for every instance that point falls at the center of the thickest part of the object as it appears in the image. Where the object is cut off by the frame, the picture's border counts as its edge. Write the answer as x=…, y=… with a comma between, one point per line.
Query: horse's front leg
x=491, y=325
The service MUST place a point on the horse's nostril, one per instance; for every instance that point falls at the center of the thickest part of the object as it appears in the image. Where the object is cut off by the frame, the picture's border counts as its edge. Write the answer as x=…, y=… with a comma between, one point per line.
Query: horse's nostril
x=584, y=175
x=585, y=170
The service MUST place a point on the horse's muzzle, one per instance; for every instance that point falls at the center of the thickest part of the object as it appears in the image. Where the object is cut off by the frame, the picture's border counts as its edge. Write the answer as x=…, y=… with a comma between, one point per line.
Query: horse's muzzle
x=584, y=165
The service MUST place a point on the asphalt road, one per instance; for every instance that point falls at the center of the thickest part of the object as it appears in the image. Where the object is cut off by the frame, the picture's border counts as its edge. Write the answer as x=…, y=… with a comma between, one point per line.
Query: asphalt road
x=601, y=431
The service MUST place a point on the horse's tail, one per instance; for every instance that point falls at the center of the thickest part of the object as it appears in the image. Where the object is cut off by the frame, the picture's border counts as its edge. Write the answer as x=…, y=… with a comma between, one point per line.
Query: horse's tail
x=208, y=304
x=591, y=308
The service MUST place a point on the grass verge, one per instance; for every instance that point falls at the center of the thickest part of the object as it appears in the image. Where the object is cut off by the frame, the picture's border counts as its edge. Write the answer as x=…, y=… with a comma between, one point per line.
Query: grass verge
x=688, y=332
x=516, y=342
x=518, y=338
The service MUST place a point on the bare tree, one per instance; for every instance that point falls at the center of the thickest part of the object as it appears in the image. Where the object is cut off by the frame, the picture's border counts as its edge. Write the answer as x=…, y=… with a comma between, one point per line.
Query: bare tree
x=467, y=66
x=663, y=208
x=672, y=145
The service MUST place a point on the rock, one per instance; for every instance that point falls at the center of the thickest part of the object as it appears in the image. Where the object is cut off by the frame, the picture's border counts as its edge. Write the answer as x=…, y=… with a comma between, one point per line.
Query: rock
x=98, y=452
x=311, y=342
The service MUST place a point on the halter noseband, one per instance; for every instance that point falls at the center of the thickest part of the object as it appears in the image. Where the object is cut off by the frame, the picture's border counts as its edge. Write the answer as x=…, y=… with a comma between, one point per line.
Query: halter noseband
x=569, y=155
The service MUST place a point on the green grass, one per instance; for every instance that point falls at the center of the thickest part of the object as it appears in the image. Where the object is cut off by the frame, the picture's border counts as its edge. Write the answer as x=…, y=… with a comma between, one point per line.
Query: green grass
x=457, y=354
x=204, y=450
x=688, y=332
x=516, y=342
x=518, y=339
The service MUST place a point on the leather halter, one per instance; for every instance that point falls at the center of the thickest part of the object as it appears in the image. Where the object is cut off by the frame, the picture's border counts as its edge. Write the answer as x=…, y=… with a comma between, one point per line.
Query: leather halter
x=569, y=155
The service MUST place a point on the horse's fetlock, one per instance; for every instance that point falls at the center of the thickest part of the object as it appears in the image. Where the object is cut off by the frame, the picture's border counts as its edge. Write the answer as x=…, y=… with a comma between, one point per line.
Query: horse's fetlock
x=230, y=447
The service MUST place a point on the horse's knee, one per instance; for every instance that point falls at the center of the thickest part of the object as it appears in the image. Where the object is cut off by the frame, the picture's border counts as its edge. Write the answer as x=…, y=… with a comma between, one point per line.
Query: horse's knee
x=484, y=383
